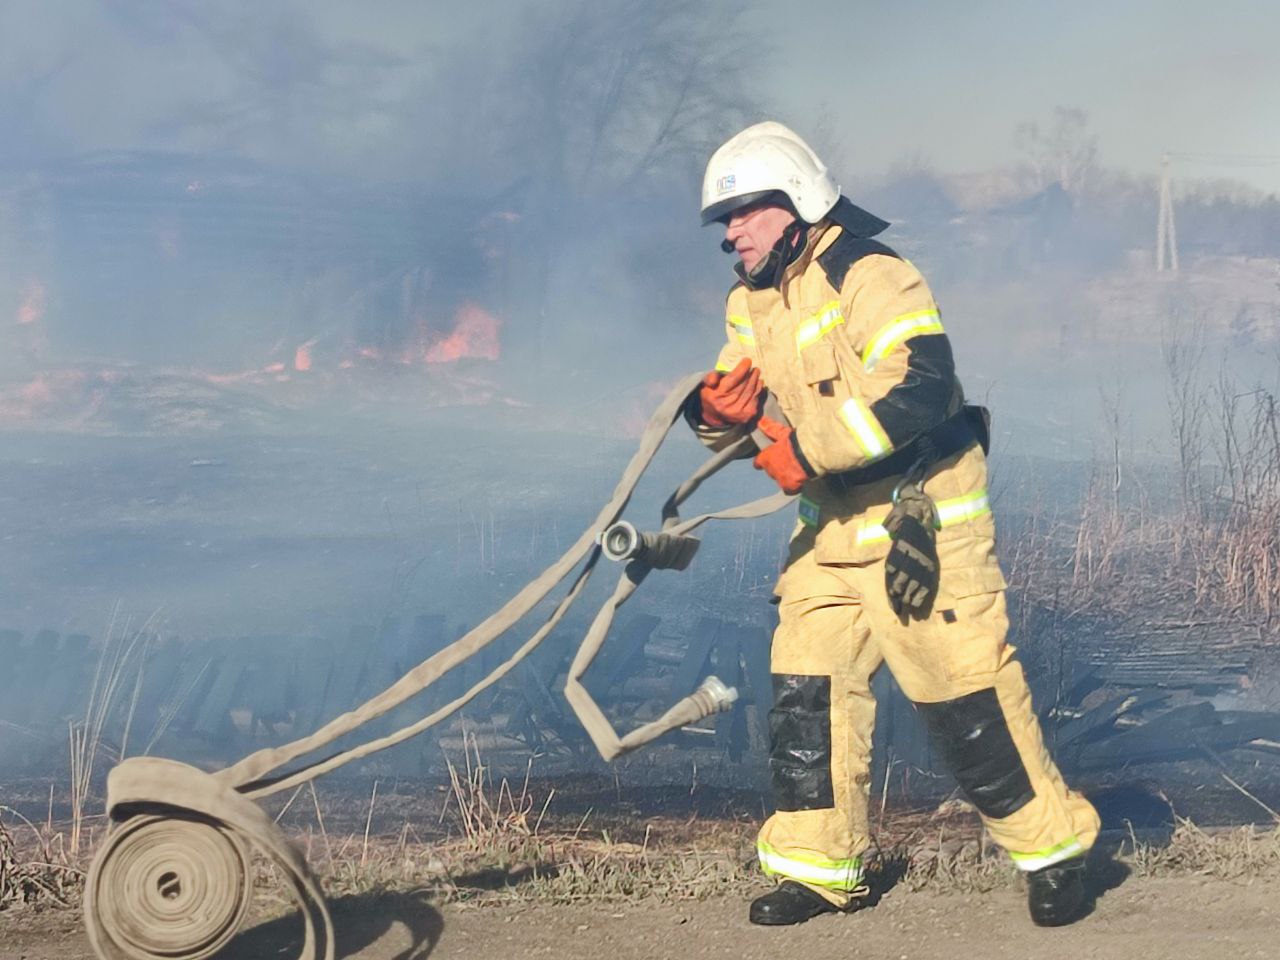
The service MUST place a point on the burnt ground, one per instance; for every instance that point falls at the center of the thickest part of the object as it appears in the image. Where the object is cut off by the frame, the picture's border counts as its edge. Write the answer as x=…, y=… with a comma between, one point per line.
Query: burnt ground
x=1155, y=918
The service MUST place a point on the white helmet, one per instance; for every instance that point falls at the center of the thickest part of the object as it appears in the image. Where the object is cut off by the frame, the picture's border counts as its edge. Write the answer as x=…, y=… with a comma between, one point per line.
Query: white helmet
x=764, y=159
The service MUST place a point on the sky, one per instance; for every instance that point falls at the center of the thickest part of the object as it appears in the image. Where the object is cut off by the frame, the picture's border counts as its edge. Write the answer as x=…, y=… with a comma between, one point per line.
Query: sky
x=941, y=82
x=949, y=82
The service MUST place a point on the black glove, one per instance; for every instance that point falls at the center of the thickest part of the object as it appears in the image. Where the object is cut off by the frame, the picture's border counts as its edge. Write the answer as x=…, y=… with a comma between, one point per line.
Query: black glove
x=911, y=569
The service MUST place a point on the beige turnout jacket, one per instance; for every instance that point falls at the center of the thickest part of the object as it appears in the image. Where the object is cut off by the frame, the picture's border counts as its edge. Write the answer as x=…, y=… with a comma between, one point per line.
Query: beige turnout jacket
x=851, y=344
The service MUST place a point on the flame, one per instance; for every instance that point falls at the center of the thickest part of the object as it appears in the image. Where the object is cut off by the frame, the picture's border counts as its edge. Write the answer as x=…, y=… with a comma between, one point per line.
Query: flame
x=475, y=334
x=32, y=308
x=302, y=356
x=36, y=393
x=277, y=369
x=43, y=394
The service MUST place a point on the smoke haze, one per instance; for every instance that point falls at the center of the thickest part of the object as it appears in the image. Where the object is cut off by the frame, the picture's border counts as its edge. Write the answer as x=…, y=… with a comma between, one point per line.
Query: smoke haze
x=317, y=315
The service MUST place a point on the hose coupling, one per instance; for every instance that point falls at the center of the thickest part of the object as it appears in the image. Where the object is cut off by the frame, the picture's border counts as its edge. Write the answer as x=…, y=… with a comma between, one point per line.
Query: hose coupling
x=622, y=542
x=715, y=696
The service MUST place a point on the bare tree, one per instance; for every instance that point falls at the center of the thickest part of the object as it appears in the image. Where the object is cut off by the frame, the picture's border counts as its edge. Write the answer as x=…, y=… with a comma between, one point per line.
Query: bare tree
x=612, y=106
x=1065, y=152
x=608, y=93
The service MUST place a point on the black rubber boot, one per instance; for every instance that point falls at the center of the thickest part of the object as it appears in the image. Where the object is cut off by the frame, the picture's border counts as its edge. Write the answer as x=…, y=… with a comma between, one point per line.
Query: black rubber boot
x=1055, y=894
x=790, y=903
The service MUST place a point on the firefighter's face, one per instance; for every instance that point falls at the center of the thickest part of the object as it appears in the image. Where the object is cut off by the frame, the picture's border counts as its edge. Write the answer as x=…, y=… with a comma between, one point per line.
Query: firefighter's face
x=755, y=229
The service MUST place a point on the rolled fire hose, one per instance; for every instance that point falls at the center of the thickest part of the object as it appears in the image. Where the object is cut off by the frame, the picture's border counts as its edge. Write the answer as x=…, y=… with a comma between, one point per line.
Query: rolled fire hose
x=172, y=878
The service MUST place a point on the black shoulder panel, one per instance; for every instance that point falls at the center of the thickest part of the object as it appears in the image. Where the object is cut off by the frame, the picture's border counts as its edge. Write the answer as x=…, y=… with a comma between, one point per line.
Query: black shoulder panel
x=845, y=252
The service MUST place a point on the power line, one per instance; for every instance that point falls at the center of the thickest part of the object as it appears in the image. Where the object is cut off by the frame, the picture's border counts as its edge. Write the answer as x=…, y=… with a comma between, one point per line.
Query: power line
x=1228, y=159
x=1166, y=229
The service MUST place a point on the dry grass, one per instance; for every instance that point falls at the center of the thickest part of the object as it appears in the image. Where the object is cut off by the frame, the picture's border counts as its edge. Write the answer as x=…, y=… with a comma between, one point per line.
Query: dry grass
x=505, y=844
x=1233, y=855
x=565, y=870
x=500, y=854
x=1202, y=536
x=122, y=658
x=38, y=872
x=498, y=849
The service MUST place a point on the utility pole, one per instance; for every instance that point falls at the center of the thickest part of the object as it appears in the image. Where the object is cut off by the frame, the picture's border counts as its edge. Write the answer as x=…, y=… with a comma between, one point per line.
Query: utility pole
x=1166, y=231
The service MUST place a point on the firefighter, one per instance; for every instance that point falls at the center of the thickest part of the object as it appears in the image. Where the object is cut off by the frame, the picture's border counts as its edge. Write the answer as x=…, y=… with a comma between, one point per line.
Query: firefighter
x=893, y=555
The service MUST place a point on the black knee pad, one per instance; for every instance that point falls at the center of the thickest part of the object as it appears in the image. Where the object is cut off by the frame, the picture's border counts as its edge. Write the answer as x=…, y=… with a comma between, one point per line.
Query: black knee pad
x=800, y=742
x=972, y=736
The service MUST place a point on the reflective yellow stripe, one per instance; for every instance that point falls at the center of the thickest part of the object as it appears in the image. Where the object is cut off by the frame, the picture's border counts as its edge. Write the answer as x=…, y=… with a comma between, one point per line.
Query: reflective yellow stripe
x=896, y=331
x=844, y=875
x=960, y=509
x=723, y=367
x=950, y=513
x=809, y=512
x=866, y=429
x=1048, y=856
x=742, y=327
x=818, y=326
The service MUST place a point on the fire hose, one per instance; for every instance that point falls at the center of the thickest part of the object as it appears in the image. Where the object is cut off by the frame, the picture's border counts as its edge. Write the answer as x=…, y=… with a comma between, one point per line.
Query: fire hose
x=172, y=877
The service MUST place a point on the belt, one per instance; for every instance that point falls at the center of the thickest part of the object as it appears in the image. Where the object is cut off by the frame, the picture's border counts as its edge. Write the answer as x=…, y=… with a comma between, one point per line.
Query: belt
x=969, y=425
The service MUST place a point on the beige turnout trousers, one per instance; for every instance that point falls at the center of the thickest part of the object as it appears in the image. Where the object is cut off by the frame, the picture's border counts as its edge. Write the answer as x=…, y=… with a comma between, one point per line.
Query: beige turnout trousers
x=835, y=630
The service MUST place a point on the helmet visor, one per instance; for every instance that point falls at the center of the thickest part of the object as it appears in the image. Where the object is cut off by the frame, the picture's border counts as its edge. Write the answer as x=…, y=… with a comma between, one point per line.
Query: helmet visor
x=721, y=210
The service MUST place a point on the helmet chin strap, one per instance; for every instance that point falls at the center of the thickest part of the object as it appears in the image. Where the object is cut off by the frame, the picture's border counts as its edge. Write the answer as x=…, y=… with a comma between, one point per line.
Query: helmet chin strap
x=768, y=272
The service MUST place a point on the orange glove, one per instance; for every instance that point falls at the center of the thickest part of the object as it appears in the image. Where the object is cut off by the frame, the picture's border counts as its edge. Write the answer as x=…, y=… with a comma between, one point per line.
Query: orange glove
x=782, y=459
x=729, y=399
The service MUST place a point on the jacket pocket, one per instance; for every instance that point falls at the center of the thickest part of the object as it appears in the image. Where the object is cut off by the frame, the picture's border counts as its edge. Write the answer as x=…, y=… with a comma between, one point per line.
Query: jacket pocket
x=839, y=545
x=819, y=363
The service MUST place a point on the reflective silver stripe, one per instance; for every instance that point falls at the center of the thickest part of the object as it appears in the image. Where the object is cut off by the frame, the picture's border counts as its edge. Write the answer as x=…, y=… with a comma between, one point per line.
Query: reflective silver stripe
x=862, y=423
x=844, y=875
x=817, y=327
x=950, y=513
x=896, y=331
x=742, y=327
x=809, y=512
x=1047, y=857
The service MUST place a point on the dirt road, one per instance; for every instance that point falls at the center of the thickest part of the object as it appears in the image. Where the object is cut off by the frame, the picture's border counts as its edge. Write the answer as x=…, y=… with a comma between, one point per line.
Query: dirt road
x=1138, y=920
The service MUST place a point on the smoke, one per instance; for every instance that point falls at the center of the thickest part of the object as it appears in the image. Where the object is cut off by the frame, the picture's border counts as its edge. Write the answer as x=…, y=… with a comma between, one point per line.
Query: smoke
x=209, y=184
x=319, y=315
